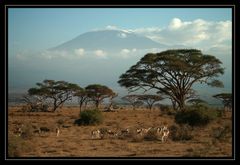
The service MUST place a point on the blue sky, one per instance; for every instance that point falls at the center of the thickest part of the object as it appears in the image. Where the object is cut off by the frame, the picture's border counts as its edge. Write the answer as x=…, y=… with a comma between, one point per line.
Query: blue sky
x=31, y=31
x=42, y=28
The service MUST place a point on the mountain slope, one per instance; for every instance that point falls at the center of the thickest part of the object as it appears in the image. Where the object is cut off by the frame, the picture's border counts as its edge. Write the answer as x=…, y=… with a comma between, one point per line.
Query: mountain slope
x=111, y=40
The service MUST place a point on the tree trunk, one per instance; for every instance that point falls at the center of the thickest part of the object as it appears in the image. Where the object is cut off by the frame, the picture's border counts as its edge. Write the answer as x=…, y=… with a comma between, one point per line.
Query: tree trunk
x=182, y=104
x=85, y=105
x=97, y=104
x=54, y=106
x=174, y=104
x=80, y=107
x=179, y=102
x=133, y=107
x=150, y=106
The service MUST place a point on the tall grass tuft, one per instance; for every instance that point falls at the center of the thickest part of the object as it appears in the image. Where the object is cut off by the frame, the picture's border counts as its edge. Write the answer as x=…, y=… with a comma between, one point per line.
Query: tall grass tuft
x=17, y=145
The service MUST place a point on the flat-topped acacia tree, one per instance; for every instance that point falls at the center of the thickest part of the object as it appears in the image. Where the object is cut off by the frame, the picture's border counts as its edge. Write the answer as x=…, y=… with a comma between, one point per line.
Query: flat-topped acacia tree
x=150, y=100
x=56, y=91
x=172, y=73
x=197, y=101
x=133, y=100
x=226, y=99
x=97, y=93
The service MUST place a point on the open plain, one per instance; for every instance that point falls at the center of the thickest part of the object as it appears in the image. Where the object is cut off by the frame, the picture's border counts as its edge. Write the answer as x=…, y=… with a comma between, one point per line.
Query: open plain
x=76, y=141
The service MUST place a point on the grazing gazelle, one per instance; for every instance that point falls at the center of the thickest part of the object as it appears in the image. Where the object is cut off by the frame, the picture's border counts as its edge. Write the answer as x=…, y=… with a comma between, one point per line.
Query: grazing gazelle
x=57, y=131
x=96, y=134
x=143, y=131
x=18, y=130
x=163, y=132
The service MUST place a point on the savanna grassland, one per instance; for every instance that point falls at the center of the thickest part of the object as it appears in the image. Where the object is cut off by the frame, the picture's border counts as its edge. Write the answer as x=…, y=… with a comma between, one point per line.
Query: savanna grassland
x=212, y=140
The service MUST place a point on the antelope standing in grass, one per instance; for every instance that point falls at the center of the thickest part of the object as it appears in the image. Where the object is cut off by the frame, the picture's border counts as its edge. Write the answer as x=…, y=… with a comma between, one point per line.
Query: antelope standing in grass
x=163, y=132
x=57, y=131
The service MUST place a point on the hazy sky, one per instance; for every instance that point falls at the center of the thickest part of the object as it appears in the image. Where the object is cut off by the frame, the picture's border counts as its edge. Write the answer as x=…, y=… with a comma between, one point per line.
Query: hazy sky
x=31, y=31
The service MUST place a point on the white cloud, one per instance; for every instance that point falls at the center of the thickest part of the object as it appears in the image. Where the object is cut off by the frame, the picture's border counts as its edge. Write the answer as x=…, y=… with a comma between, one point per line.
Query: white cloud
x=176, y=23
x=111, y=27
x=197, y=33
x=122, y=35
x=125, y=51
x=100, y=53
x=56, y=54
x=147, y=30
x=79, y=52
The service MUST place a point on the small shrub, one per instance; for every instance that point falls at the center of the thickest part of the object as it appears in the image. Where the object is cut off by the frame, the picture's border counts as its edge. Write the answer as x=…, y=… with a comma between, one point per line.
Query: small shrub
x=78, y=122
x=90, y=117
x=180, y=133
x=196, y=116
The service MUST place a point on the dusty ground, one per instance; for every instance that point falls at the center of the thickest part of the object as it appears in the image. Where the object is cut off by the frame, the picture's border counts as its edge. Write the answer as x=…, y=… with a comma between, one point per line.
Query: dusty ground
x=76, y=141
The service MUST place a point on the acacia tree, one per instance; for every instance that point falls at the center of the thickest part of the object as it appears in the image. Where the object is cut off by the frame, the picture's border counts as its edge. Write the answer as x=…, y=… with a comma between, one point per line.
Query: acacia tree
x=150, y=99
x=97, y=93
x=226, y=99
x=35, y=103
x=191, y=95
x=56, y=91
x=173, y=72
x=111, y=100
x=196, y=101
x=82, y=96
x=133, y=100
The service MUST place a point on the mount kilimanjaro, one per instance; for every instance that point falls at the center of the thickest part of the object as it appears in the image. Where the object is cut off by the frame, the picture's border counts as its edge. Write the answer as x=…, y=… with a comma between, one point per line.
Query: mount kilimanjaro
x=109, y=40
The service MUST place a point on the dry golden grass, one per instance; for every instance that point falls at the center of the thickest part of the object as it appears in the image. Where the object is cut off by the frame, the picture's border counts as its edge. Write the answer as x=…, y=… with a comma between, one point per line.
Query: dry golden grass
x=75, y=141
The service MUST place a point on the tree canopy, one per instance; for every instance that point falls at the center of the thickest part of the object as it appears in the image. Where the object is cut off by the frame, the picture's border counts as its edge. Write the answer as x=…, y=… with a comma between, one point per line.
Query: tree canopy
x=226, y=99
x=97, y=93
x=172, y=73
x=150, y=99
x=196, y=101
x=133, y=100
x=56, y=91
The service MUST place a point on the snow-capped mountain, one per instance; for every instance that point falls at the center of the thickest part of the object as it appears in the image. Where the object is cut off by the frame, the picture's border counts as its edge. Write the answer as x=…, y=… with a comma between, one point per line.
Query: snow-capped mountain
x=110, y=40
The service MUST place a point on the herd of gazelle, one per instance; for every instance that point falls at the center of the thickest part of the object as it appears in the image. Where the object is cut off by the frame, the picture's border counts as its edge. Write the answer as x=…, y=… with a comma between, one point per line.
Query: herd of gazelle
x=162, y=132
x=18, y=131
